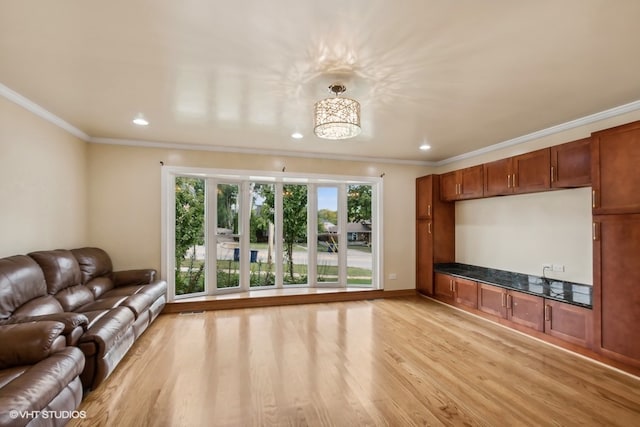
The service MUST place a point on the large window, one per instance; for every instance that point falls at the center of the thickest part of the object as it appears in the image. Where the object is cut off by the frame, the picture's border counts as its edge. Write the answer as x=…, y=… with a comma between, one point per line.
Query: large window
x=229, y=231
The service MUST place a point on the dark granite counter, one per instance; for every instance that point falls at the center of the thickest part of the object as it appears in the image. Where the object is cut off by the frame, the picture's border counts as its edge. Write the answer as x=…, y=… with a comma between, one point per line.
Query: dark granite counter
x=568, y=292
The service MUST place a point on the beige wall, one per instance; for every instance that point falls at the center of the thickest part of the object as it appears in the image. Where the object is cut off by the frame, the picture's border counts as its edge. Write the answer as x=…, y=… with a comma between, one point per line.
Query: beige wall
x=520, y=233
x=126, y=190
x=42, y=184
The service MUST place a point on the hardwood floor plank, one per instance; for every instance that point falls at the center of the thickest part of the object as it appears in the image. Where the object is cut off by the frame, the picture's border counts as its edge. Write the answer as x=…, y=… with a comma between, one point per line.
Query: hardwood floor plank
x=390, y=362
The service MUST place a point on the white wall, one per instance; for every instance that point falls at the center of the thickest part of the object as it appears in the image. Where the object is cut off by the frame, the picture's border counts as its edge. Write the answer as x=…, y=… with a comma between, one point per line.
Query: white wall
x=42, y=184
x=520, y=233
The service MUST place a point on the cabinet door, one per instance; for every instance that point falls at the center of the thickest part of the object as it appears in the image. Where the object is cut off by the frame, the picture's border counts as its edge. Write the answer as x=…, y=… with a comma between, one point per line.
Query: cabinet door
x=526, y=310
x=571, y=164
x=568, y=322
x=497, y=178
x=615, y=160
x=443, y=287
x=492, y=300
x=448, y=186
x=424, y=257
x=424, y=197
x=616, y=286
x=470, y=183
x=465, y=292
x=531, y=171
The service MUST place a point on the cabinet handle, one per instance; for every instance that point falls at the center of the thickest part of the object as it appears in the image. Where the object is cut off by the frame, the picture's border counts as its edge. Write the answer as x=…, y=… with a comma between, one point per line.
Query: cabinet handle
x=509, y=302
x=509, y=181
x=428, y=210
x=515, y=182
x=547, y=313
x=553, y=174
x=429, y=227
x=451, y=285
x=504, y=299
x=593, y=199
x=595, y=234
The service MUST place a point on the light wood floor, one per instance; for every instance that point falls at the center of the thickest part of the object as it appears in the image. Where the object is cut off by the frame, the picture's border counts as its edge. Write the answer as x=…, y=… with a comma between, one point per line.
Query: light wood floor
x=392, y=362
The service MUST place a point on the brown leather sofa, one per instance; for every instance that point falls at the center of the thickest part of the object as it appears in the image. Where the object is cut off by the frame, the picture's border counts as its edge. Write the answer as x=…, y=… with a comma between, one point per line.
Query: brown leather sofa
x=39, y=375
x=102, y=311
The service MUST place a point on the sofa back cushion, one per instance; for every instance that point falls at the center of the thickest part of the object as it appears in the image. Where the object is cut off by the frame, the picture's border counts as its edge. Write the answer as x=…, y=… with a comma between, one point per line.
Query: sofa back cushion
x=21, y=280
x=39, y=306
x=64, y=279
x=97, y=269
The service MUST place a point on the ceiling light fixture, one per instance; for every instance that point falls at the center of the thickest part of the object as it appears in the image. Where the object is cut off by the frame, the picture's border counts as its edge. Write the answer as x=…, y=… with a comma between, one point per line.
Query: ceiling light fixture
x=425, y=147
x=337, y=118
x=140, y=121
x=297, y=135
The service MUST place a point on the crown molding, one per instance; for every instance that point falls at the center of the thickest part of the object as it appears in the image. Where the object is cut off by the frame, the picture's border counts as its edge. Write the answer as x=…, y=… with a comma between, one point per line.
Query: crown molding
x=254, y=151
x=606, y=114
x=34, y=108
x=52, y=118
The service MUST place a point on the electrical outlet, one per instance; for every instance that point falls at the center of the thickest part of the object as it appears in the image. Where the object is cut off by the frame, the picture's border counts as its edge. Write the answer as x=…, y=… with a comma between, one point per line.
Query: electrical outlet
x=392, y=276
x=558, y=268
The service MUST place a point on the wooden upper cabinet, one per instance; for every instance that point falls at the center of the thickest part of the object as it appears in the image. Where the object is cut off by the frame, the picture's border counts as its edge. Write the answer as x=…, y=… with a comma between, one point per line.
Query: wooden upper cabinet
x=462, y=184
x=424, y=197
x=497, y=178
x=615, y=163
x=571, y=164
x=525, y=173
x=531, y=171
x=471, y=183
x=449, y=186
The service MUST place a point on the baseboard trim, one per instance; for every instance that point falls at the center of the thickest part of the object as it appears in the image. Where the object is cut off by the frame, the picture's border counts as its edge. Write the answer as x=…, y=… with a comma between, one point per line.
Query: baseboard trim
x=276, y=300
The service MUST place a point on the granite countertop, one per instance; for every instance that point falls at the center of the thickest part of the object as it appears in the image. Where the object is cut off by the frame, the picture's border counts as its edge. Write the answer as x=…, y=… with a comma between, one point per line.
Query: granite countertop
x=553, y=289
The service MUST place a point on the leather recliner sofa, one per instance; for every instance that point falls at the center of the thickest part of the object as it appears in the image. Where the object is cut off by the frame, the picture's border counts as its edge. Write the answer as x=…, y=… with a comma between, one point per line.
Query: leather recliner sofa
x=39, y=375
x=103, y=312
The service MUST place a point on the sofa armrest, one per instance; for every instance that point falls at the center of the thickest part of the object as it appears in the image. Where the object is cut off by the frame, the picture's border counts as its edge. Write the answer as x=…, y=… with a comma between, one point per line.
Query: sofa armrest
x=70, y=320
x=29, y=343
x=133, y=277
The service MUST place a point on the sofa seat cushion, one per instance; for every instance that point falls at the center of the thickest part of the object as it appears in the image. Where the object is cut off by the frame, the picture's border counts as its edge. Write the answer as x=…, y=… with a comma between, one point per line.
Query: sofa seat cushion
x=39, y=384
x=138, y=303
x=108, y=329
x=102, y=304
x=10, y=374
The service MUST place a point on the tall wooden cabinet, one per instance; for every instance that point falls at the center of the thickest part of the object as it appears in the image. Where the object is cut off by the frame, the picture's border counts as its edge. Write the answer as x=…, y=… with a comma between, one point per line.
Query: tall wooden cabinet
x=435, y=225
x=616, y=242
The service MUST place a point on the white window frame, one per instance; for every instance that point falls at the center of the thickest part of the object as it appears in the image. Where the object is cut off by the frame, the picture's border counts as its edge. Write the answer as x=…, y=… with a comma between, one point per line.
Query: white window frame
x=242, y=177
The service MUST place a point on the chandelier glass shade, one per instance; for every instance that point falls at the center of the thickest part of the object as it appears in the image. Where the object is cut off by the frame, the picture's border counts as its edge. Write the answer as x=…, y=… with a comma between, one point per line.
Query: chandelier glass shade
x=337, y=117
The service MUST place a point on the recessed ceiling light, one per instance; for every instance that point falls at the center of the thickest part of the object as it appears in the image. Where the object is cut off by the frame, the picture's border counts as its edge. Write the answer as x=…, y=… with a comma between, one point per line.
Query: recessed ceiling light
x=296, y=135
x=140, y=121
x=425, y=147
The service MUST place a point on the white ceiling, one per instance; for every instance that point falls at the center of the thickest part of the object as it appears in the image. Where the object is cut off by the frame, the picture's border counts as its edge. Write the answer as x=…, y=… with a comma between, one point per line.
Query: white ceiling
x=458, y=74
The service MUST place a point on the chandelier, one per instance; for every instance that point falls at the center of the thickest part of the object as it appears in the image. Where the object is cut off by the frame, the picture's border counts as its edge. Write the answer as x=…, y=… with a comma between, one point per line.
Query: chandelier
x=337, y=118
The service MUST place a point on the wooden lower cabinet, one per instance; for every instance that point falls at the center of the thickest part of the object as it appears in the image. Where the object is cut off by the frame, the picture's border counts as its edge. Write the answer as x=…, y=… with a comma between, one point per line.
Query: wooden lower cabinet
x=516, y=307
x=568, y=322
x=456, y=291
